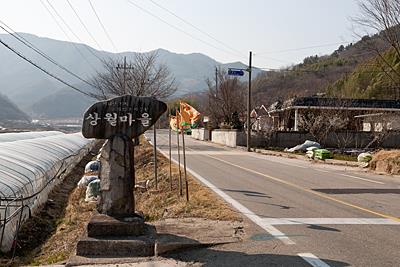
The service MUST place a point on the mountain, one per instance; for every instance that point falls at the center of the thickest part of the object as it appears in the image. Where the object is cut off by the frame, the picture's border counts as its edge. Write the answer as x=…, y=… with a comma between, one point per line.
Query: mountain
x=10, y=112
x=34, y=91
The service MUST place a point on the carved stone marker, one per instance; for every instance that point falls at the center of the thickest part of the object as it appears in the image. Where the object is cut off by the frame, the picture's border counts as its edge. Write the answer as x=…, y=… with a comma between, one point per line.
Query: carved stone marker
x=126, y=115
x=119, y=120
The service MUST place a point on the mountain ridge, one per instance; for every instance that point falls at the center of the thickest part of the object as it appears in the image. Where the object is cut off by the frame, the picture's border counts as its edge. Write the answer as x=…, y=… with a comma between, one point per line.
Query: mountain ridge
x=27, y=86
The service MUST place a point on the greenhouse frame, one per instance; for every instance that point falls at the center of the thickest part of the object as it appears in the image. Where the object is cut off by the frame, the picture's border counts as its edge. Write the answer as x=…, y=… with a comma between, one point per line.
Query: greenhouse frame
x=31, y=164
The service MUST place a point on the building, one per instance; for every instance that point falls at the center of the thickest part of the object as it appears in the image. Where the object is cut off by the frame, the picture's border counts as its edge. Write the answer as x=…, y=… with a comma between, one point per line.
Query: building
x=352, y=114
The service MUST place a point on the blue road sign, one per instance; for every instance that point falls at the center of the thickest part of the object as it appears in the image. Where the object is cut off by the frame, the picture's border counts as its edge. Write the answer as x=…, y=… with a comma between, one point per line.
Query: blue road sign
x=235, y=72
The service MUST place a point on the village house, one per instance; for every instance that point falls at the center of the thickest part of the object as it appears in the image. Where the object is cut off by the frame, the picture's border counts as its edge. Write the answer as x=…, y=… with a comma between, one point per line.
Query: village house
x=358, y=114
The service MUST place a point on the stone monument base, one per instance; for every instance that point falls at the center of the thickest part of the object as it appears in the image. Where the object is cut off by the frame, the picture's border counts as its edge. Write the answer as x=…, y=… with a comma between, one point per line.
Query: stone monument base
x=117, y=237
x=101, y=225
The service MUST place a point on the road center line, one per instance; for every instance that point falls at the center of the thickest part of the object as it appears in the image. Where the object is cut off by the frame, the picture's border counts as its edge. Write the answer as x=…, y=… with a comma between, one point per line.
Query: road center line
x=312, y=260
x=308, y=190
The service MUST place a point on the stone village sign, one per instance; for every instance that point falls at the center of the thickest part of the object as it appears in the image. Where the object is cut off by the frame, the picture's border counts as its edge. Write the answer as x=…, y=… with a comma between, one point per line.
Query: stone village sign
x=119, y=120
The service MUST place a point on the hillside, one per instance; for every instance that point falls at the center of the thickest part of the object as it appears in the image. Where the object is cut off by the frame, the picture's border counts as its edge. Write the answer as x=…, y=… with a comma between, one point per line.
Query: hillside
x=369, y=80
x=10, y=112
x=65, y=103
x=30, y=89
x=315, y=74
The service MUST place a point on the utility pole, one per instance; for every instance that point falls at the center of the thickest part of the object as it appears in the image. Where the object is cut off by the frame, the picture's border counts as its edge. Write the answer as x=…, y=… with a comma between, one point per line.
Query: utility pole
x=124, y=68
x=249, y=105
x=216, y=80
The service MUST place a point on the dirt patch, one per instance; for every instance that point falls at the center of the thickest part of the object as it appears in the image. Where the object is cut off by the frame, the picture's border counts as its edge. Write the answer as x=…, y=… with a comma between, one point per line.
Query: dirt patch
x=387, y=161
x=167, y=203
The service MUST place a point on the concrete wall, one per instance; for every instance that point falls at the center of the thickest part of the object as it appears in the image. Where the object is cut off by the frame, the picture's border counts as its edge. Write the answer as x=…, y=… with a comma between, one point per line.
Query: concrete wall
x=231, y=138
x=334, y=140
x=200, y=134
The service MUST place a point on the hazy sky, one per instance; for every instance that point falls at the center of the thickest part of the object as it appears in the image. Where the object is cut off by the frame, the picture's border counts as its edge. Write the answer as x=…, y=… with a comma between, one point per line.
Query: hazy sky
x=262, y=26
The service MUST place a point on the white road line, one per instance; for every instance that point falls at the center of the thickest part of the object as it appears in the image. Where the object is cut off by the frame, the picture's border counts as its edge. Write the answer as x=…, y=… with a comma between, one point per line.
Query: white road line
x=364, y=179
x=312, y=260
x=242, y=209
x=209, y=153
x=332, y=221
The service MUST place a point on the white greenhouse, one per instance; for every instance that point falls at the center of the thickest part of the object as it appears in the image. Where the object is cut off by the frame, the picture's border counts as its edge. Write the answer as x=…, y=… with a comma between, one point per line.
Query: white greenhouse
x=31, y=164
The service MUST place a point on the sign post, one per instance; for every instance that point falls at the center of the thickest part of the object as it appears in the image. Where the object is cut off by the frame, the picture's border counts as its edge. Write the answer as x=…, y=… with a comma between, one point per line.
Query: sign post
x=119, y=120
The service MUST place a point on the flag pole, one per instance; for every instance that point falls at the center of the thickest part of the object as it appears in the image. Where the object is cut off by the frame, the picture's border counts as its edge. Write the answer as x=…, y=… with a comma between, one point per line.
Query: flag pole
x=179, y=157
x=184, y=165
x=170, y=164
x=155, y=154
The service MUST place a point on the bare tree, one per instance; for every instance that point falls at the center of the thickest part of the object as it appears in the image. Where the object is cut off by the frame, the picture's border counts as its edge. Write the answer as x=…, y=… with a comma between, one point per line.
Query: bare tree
x=226, y=102
x=383, y=17
x=144, y=77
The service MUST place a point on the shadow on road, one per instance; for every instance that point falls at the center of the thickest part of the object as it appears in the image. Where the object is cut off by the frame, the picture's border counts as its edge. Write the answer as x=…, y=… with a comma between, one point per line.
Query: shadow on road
x=247, y=193
x=322, y=228
x=359, y=191
x=214, y=257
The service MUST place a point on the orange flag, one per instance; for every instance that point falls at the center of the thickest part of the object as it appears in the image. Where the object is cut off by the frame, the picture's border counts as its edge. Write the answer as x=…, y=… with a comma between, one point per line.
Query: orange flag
x=190, y=114
x=173, y=123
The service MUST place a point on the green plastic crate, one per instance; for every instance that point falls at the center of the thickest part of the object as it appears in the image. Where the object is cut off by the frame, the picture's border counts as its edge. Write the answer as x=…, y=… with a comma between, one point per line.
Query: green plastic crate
x=322, y=154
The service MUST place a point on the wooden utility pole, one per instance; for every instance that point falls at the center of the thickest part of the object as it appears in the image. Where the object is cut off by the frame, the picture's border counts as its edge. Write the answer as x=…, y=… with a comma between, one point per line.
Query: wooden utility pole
x=124, y=68
x=216, y=80
x=249, y=106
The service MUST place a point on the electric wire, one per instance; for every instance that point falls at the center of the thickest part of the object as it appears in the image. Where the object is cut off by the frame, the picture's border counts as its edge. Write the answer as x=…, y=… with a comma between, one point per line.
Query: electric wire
x=102, y=26
x=70, y=29
x=197, y=28
x=40, y=52
x=178, y=29
x=302, y=48
x=84, y=25
x=42, y=69
x=67, y=36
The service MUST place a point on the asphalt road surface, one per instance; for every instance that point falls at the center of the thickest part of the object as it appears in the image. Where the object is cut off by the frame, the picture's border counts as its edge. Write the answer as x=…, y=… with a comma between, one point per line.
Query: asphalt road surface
x=320, y=214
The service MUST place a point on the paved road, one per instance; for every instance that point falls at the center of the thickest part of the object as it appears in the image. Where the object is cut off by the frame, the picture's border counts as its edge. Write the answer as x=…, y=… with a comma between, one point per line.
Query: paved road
x=341, y=216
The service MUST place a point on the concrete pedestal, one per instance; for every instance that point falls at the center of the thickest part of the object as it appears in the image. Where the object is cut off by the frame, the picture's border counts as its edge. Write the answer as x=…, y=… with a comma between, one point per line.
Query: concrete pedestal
x=117, y=237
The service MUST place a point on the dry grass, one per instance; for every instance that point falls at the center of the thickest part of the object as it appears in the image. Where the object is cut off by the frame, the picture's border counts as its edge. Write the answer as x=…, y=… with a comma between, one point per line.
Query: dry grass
x=387, y=161
x=166, y=203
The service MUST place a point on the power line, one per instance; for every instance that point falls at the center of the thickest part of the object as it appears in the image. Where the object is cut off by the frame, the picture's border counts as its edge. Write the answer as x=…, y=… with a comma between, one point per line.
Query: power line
x=40, y=52
x=178, y=29
x=102, y=26
x=70, y=29
x=66, y=35
x=302, y=48
x=42, y=69
x=83, y=24
x=197, y=28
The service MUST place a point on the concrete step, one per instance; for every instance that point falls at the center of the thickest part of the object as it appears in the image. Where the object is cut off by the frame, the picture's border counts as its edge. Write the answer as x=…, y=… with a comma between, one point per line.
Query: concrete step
x=133, y=246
